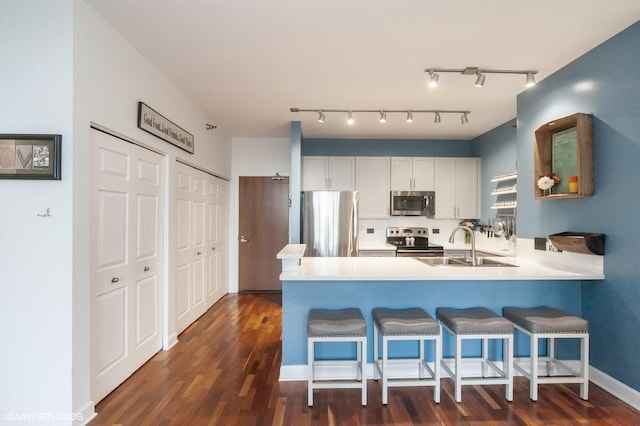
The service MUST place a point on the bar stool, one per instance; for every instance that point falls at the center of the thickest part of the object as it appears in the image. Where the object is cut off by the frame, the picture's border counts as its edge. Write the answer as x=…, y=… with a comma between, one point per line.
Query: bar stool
x=484, y=324
x=343, y=325
x=548, y=323
x=406, y=324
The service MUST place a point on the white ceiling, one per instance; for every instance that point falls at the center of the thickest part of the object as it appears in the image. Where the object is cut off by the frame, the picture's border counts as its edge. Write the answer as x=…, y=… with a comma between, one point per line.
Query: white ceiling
x=247, y=62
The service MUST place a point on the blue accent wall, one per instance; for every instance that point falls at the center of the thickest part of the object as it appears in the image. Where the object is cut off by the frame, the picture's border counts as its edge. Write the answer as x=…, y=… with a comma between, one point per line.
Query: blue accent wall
x=497, y=148
x=606, y=83
x=387, y=147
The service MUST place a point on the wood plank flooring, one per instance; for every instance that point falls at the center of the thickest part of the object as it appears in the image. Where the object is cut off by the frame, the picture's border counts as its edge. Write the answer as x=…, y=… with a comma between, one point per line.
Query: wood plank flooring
x=224, y=371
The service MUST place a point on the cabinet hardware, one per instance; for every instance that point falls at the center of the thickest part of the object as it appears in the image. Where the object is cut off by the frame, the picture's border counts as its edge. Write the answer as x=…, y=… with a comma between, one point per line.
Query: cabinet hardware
x=115, y=280
x=199, y=253
x=147, y=269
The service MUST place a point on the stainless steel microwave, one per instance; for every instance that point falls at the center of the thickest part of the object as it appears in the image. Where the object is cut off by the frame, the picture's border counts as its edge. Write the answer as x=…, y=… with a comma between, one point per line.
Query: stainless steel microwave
x=413, y=203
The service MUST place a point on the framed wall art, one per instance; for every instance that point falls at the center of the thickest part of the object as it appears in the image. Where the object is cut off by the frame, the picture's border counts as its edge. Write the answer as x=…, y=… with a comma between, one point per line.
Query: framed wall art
x=30, y=157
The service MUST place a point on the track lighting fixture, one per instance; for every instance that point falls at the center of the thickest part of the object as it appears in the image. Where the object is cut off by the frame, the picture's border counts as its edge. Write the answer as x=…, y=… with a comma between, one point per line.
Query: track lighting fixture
x=350, y=118
x=531, y=81
x=433, y=79
x=383, y=113
x=480, y=74
x=409, y=117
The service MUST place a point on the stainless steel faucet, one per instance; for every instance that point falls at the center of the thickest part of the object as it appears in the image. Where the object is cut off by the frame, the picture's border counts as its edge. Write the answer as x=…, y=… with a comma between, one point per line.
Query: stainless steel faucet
x=474, y=259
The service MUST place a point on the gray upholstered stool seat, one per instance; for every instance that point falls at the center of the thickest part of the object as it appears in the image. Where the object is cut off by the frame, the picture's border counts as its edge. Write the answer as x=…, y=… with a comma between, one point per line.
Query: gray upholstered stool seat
x=344, y=322
x=478, y=324
x=406, y=324
x=342, y=325
x=548, y=323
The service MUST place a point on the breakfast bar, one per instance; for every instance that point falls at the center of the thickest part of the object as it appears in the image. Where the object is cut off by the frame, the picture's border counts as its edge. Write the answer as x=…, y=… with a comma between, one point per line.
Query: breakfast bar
x=395, y=282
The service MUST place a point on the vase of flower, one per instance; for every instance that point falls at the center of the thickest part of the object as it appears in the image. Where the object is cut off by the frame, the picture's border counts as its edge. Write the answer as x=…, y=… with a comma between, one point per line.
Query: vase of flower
x=546, y=183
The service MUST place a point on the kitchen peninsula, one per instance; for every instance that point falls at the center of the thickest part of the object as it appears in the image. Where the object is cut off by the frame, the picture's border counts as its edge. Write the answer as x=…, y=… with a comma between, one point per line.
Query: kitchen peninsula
x=397, y=282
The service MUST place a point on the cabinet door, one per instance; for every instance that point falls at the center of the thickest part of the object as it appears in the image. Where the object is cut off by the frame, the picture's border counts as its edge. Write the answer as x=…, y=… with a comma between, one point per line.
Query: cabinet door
x=401, y=176
x=372, y=184
x=467, y=188
x=314, y=173
x=445, y=186
x=341, y=173
x=423, y=174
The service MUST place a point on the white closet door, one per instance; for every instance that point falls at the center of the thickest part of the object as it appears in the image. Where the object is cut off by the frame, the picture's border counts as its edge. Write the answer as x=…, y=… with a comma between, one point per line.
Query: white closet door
x=191, y=259
x=126, y=260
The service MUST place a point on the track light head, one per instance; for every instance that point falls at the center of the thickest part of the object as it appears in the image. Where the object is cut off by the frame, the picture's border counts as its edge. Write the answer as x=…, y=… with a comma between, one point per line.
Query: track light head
x=480, y=80
x=531, y=81
x=409, y=117
x=437, y=118
x=383, y=117
x=433, y=79
x=321, y=116
x=464, y=119
x=350, y=118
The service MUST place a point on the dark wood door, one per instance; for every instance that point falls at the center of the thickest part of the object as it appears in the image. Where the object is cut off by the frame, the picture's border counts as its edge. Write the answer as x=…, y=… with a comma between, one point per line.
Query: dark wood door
x=263, y=231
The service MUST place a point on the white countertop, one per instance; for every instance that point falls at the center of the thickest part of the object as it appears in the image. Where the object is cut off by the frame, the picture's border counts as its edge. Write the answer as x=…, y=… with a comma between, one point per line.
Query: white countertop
x=411, y=269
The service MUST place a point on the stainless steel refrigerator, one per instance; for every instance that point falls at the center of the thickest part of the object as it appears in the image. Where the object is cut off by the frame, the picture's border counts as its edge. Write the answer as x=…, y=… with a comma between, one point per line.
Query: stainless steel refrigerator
x=330, y=223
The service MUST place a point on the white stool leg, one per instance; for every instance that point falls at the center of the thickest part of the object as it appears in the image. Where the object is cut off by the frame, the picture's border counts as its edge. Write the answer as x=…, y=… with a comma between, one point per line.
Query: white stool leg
x=507, y=361
x=385, y=369
x=363, y=368
x=485, y=356
x=310, y=371
x=376, y=373
x=359, y=371
x=533, y=382
x=421, y=371
x=437, y=345
x=584, y=367
x=458, y=369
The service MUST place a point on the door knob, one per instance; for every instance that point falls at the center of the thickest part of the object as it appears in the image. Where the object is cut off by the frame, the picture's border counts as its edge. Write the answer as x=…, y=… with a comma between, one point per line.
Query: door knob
x=243, y=239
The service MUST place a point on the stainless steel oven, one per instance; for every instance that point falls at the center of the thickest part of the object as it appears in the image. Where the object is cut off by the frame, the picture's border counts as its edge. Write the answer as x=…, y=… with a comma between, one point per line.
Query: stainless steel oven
x=413, y=242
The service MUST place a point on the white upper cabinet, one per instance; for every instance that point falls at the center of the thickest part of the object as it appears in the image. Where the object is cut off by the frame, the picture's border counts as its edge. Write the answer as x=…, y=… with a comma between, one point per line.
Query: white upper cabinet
x=412, y=174
x=457, y=186
x=320, y=173
x=372, y=184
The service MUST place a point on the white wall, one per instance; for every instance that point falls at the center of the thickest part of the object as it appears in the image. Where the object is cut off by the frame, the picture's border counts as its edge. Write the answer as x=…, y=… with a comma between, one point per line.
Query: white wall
x=63, y=68
x=36, y=48
x=110, y=78
x=252, y=157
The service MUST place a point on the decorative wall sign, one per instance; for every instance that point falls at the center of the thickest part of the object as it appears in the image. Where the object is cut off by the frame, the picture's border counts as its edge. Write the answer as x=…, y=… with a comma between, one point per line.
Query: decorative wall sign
x=152, y=122
x=30, y=157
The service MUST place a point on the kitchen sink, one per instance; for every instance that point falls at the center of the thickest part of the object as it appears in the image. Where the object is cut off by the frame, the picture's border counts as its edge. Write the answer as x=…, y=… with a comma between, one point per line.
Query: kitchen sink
x=461, y=262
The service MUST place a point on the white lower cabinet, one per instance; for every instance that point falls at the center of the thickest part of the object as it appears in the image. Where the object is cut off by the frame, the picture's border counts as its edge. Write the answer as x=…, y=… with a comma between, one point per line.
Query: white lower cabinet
x=372, y=184
x=457, y=185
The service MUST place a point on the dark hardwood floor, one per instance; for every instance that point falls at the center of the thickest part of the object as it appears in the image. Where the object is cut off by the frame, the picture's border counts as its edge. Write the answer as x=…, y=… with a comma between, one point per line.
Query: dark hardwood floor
x=224, y=371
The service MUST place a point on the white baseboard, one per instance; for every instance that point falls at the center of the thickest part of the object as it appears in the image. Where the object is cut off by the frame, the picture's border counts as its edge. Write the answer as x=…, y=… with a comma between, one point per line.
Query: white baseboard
x=615, y=387
x=172, y=340
x=85, y=414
